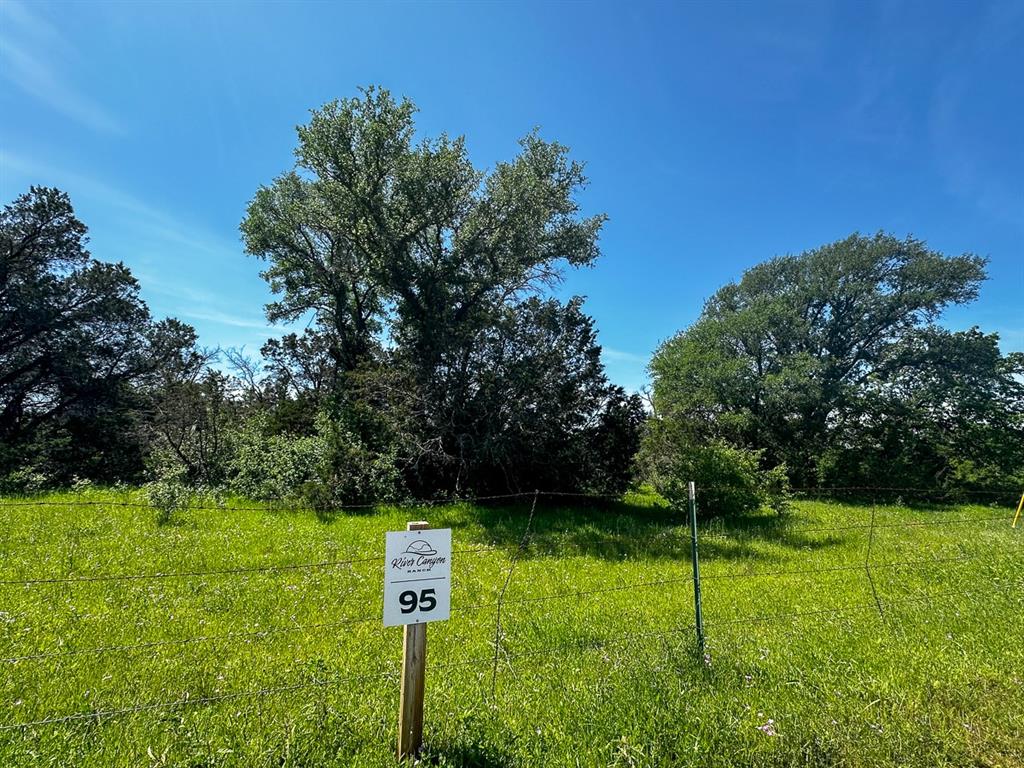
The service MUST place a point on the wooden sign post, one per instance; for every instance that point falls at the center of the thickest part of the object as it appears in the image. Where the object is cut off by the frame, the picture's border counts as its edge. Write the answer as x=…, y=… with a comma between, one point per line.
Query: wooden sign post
x=417, y=590
x=414, y=679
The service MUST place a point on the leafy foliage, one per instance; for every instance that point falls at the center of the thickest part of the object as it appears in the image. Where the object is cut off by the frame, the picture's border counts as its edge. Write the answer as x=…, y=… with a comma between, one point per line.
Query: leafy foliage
x=435, y=361
x=167, y=496
x=275, y=466
x=730, y=480
x=943, y=410
x=192, y=422
x=431, y=344
x=76, y=343
x=325, y=470
x=830, y=363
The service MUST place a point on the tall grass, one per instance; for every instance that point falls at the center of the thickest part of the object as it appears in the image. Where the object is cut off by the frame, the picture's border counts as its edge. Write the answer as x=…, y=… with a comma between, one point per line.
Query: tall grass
x=596, y=662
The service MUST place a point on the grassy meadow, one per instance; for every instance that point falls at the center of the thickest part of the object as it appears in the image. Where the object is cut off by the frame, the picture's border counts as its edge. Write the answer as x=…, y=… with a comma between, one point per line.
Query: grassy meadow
x=290, y=666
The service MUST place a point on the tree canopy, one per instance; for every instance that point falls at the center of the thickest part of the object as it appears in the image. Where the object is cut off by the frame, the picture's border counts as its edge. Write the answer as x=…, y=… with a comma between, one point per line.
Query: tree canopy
x=75, y=343
x=436, y=359
x=423, y=277
x=831, y=363
x=383, y=238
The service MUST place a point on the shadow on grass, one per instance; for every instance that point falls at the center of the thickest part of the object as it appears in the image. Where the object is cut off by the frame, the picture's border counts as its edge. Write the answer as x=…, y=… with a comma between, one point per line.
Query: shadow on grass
x=623, y=530
x=464, y=756
x=915, y=499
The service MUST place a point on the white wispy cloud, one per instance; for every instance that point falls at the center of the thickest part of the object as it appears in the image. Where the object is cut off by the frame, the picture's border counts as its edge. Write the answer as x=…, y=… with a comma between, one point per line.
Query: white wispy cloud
x=226, y=318
x=159, y=224
x=151, y=239
x=623, y=356
x=28, y=166
x=31, y=52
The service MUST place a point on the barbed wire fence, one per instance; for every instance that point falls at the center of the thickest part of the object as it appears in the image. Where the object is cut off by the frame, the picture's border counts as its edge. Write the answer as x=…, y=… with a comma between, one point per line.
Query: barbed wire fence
x=673, y=521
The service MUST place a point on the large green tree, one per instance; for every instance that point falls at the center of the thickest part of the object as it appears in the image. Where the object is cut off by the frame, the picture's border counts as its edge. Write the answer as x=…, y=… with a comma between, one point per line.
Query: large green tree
x=833, y=354
x=414, y=264
x=76, y=343
x=374, y=233
x=941, y=409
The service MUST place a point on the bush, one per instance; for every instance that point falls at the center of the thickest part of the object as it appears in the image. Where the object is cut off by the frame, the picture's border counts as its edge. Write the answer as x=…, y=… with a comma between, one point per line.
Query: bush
x=729, y=480
x=167, y=496
x=269, y=466
x=26, y=480
x=352, y=472
x=324, y=471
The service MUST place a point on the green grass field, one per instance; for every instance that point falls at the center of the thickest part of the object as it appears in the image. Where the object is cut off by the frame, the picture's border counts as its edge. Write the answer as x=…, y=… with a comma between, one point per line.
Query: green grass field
x=291, y=667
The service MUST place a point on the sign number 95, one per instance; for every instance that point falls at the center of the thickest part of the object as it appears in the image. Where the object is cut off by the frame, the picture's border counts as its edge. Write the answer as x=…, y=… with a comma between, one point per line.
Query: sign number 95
x=417, y=575
x=410, y=600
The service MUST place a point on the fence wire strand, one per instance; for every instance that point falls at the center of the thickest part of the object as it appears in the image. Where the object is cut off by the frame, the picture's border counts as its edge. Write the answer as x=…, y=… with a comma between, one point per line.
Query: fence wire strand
x=255, y=634
x=271, y=506
x=504, y=588
x=188, y=701
x=501, y=651
x=232, y=571
x=766, y=618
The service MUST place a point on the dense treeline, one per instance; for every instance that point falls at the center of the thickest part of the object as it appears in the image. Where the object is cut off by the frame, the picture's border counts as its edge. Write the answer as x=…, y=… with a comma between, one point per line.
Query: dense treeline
x=434, y=360
x=432, y=344
x=80, y=356
x=828, y=369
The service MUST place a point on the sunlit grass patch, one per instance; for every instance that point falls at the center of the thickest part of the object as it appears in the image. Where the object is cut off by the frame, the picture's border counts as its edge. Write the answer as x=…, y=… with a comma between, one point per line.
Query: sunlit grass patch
x=253, y=637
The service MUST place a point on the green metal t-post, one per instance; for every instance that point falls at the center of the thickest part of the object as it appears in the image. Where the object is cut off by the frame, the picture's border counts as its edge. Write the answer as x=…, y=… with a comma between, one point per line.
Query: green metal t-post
x=696, y=569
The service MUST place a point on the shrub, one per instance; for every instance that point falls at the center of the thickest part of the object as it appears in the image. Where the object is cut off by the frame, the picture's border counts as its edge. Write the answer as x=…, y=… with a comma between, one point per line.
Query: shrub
x=324, y=471
x=26, y=480
x=269, y=466
x=167, y=496
x=729, y=480
x=81, y=484
x=351, y=472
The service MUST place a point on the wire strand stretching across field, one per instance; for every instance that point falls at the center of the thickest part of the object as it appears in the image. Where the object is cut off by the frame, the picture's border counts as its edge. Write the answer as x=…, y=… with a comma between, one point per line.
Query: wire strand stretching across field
x=867, y=608
x=575, y=593
x=255, y=633
x=444, y=500
x=840, y=568
x=190, y=702
x=187, y=574
x=833, y=611
x=671, y=525
x=501, y=597
x=783, y=529
x=900, y=489
x=271, y=567
x=597, y=643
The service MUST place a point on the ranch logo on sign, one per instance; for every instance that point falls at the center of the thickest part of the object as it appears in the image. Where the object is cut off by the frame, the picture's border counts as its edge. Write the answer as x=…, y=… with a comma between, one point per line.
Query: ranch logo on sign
x=417, y=576
x=418, y=557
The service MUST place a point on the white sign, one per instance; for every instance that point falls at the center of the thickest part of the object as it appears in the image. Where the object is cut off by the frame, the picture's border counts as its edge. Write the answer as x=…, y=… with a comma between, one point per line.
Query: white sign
x=417, y=576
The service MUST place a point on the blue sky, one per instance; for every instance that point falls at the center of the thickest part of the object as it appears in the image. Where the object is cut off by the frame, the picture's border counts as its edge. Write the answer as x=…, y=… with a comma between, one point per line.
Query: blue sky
x=715, y=135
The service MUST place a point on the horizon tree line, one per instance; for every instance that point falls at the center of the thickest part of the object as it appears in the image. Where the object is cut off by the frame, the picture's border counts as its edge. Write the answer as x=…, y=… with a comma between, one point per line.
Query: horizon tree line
x=438, y=363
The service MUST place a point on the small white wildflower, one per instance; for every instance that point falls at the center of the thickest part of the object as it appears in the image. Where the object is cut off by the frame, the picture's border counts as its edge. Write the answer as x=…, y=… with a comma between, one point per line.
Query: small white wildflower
x=768, y=729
